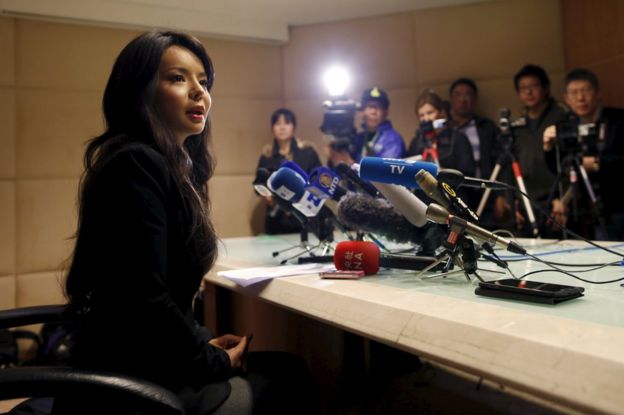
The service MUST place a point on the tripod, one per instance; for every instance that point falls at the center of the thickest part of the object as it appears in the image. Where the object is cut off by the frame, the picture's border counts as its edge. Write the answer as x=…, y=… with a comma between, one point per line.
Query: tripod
x=573, y=168
x=507, y=157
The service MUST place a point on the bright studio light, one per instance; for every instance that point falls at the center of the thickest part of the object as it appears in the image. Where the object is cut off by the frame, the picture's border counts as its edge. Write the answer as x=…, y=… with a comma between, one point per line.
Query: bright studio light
x=336, y=80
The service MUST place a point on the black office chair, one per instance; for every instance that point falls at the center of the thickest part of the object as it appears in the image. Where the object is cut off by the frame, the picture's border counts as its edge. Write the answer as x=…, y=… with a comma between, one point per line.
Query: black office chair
x=43, y=383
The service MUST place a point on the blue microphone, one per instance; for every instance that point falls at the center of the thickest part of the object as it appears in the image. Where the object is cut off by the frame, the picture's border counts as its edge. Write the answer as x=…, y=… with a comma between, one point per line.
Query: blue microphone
x=290, y=186
x=287, y=184
x=325, y=183
x=394, y=171
x=294, y=166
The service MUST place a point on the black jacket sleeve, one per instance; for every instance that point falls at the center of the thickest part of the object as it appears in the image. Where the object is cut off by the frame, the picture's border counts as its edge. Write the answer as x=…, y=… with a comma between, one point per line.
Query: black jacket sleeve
x=135, y=222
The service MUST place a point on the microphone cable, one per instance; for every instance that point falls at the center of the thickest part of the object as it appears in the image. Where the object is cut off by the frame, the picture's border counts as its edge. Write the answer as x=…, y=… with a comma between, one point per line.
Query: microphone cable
x=556, y=269
x=544, y=214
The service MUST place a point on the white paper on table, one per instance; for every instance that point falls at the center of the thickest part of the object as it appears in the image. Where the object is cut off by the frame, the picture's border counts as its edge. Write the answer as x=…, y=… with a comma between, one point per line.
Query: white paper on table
x=248, y=276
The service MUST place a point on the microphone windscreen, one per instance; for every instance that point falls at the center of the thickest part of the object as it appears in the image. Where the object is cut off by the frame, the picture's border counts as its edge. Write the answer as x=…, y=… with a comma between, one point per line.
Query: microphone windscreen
x=394, y=171
x=375, y=215
x=356, y=256
x=287, y=184
x=289, y=164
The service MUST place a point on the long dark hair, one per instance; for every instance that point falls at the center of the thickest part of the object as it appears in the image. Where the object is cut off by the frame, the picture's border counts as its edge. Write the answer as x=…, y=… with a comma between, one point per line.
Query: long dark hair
x=131, y=117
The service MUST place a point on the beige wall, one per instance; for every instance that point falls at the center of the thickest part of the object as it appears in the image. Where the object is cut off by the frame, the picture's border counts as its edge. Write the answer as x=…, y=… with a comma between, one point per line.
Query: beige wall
x=51, y=81
x=404, y=53
x=52, y=76
x=594, y=39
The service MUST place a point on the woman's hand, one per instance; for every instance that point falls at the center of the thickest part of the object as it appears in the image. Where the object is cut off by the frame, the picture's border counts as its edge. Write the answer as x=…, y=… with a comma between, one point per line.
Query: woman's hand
x=234, y=346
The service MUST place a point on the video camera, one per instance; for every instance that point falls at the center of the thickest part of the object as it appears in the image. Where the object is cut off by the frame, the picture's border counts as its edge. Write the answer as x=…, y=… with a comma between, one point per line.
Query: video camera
x=576, y=138
x=428, y=127
x=338, y=117
x=506, y=125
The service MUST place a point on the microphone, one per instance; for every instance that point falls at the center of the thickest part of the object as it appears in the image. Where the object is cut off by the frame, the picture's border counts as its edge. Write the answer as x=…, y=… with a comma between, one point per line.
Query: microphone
x=346, y=172
x=394, y=171
x=291, y=186
x=410, y=206
x=326, y=184
x=376, y=215
x=262, y=175
x=365, y=256
x=402, y=172
x=297, y=168
x=457, y=179
x=444, y=194
x=287, y=184
x=438, y=214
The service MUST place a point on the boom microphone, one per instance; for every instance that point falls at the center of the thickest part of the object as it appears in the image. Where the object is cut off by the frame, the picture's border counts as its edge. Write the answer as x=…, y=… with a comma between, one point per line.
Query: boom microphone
x=438, y=214
x=365, y=256
x=394, y=171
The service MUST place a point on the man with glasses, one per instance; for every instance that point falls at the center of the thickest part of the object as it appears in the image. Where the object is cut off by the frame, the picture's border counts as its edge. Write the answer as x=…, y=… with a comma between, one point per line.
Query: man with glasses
x=606, y=168
x=540, y=110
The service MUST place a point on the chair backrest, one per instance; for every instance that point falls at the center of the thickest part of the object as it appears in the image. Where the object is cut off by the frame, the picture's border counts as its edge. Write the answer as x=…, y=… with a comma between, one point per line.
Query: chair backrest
x=92, y=390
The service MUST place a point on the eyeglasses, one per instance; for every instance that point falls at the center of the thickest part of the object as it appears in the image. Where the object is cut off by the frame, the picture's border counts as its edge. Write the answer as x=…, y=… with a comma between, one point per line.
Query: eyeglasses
x=527, y=88
x=577, y=93
x=468, y=95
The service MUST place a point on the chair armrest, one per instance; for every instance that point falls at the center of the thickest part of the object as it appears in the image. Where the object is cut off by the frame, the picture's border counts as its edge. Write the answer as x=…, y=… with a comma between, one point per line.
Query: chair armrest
x=24, y=316
x=46, y=381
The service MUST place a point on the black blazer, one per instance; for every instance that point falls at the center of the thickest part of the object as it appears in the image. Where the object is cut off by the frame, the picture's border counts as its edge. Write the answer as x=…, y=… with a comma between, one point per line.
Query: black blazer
x=133, y=248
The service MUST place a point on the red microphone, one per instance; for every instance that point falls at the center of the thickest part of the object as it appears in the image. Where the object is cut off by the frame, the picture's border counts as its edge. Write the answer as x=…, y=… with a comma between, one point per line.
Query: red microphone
x=365, y=256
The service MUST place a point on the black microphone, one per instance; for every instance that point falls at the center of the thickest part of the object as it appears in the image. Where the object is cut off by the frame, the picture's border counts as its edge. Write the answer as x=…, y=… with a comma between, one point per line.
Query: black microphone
x=438, y=214
x=350, y=175
x=259, y=183
x=444, y=194
x=457, y=179
x=378, y=216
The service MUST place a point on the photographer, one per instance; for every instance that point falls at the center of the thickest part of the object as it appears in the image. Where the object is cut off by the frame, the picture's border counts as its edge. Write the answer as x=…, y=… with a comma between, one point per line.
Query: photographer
x=605, y=166
x=540, y=110
x=378, y=138
x=452, y=147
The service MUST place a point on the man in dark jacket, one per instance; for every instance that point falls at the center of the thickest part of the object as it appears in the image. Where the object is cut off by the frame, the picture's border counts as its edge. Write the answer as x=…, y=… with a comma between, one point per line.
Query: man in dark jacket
x=603, y=160
x=482, y=134
x=540, y=110
x=481, y=131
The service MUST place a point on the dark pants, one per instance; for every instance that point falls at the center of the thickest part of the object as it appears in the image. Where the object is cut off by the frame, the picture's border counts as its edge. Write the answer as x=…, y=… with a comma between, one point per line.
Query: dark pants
x=279, y=383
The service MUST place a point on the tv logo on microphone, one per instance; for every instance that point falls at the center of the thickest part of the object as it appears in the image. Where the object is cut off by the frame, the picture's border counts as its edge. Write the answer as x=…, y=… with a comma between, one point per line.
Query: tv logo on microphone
x=396, y=169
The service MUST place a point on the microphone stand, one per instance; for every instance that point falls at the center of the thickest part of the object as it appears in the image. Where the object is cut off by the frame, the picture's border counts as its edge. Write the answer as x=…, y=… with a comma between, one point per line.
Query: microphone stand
x=458, y=250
